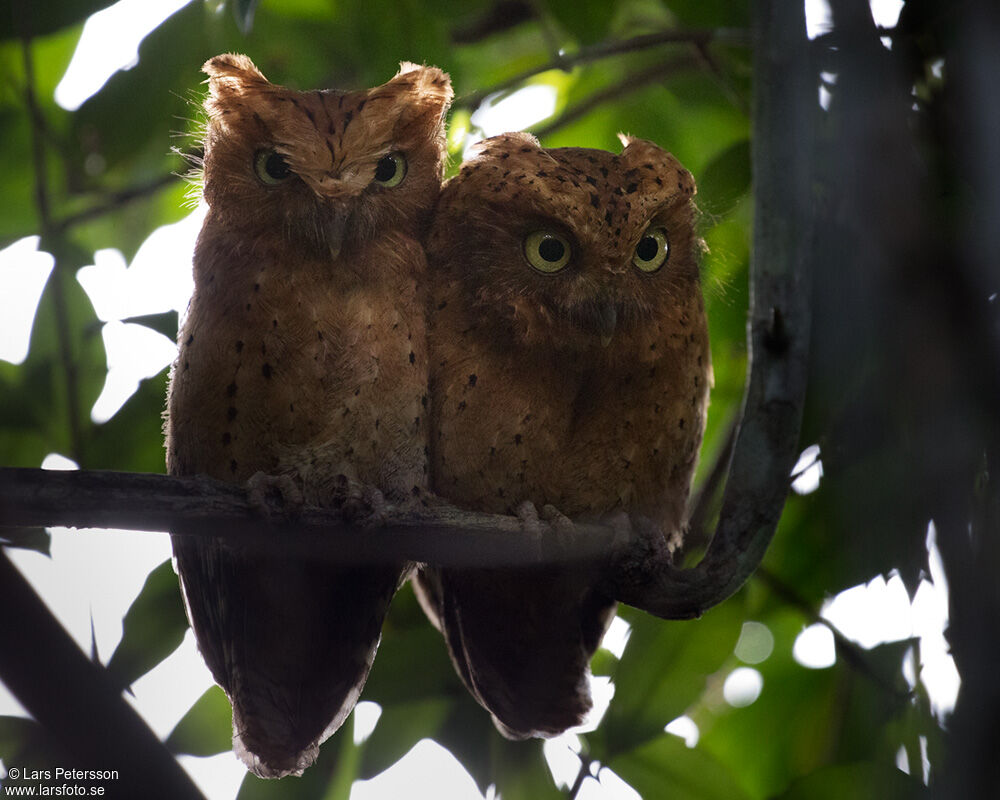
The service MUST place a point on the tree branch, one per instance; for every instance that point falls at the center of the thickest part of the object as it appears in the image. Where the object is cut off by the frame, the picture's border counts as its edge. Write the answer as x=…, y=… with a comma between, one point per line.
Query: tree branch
x=626, y=86
x=76, y=702
x=595, y=52
x=852, y=653
x=778, y=331
x=200, y=506
x=116, y=201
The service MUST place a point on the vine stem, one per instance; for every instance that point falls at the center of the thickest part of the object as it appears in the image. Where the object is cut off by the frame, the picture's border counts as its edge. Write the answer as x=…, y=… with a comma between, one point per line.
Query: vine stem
x=51, y=240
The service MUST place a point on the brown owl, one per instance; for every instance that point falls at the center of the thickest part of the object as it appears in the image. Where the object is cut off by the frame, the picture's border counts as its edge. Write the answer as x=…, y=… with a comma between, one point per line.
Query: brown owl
x=303, y=360
x=569, y=366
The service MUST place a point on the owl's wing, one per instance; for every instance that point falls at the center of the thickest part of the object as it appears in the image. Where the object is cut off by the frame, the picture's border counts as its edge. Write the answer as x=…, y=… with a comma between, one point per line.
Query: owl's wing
x=521, y=640
x=290, y=640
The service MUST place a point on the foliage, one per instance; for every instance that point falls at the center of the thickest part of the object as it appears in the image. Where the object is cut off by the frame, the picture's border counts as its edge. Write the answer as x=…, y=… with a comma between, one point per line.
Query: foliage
x=100, y=177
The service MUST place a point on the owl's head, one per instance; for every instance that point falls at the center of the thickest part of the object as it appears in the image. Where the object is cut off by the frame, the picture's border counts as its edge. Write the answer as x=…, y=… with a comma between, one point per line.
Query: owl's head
x=569, y=249
x=326, y=169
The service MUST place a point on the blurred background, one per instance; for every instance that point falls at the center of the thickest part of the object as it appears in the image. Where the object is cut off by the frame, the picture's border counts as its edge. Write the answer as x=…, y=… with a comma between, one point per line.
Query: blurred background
x=829, y=674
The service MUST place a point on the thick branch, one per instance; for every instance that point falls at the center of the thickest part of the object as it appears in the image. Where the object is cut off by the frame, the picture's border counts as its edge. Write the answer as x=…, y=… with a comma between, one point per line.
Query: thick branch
x=767, y=440
x=439, y=534
x=76, y=702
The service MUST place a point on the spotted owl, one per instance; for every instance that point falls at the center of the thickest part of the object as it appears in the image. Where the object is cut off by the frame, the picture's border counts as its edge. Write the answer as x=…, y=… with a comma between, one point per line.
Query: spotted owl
x=303, y=361
x=569, y=367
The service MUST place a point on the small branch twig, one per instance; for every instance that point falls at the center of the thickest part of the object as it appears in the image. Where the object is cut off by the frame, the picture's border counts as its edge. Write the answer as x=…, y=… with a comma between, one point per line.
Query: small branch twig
x=601, y=50
x=628, y=85
x=853, y=654
x=582, y=774
x=116, y=201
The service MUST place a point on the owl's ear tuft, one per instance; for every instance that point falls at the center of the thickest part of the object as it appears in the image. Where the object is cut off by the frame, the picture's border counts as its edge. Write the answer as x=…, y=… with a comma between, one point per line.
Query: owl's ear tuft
x=643, y=151
x=636, y=148
x=507, y=143
x=428, y=84
x=421, y=96
x=231, y=75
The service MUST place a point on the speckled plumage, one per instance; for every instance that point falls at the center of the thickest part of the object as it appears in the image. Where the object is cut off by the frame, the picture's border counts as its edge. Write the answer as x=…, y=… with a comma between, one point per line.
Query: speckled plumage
x=586, y=389
x=303, y=356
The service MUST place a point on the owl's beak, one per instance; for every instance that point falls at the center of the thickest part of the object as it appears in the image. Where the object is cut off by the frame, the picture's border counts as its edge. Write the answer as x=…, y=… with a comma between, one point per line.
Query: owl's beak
x=607, y=321
x=335, y=226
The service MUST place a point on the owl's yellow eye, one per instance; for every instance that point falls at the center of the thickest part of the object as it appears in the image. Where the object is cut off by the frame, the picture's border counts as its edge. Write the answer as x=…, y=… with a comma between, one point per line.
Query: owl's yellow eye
x=546, y=252
x=390, y=170
x=271, y=167
x=653, y=249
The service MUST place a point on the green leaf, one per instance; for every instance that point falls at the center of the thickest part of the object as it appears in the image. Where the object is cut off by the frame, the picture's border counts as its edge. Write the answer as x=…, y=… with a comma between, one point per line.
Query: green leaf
x=399, y=728
x=521, y=772
x=24, y=743
x=710, y=13
x=861, y=781
x=207, y=727
x=586, y=22
x=726, y=179
x=666, y=767
x=243, y=11
x=132, y=439
x=153, y=627
x=412, y=665
x=34, y=538
x=663, y=671
x=165, y=323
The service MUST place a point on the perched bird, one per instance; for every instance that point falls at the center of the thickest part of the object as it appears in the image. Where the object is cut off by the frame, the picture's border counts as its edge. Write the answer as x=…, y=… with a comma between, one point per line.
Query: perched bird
x=569, y=367
x=302, y=366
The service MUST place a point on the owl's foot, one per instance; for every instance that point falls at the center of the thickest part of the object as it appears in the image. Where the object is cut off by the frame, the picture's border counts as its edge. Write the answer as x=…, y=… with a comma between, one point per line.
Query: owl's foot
x=563, y=531
x=638, y=540
x=532, y=526
x=274, y=495
x=421, y=498
x=553, y=540
x=359, y=502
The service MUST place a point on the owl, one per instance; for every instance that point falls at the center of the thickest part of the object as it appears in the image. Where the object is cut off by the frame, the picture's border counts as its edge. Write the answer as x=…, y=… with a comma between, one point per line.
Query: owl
x=569, y=367
x=303, y=365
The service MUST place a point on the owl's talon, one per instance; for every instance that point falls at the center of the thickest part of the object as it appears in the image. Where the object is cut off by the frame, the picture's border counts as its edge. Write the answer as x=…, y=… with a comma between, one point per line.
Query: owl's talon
x=421, y=498
x=528, y=515
x=274, y=495
x=563, y=530
x=530, y=524
x=359, y=503
x=638, y=540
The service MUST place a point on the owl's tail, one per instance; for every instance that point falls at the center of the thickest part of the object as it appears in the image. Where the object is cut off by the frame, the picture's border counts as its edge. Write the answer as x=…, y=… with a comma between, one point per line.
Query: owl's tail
x=521, y=640
x=289, y=639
